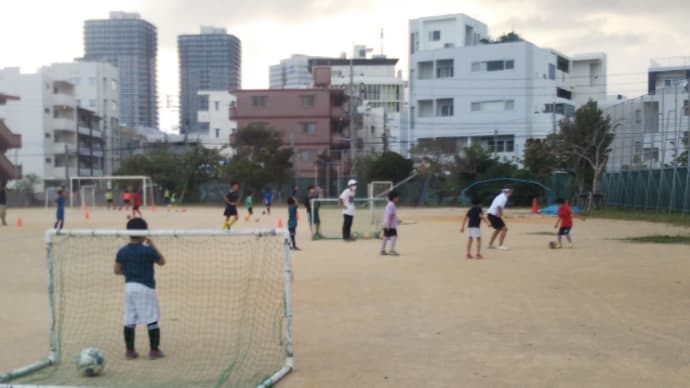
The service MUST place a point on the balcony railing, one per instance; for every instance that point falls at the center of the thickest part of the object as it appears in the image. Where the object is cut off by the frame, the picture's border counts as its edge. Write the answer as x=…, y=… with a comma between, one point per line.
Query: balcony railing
x=670, y=62
x=9, y=170
x=90, y=132
x=64, y=100
x=64, y=124
x=7, y=138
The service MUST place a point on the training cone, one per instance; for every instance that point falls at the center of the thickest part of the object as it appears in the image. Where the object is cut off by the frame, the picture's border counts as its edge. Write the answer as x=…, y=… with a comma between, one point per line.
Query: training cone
x=535, y=206
x=87, y=213
x=280, y=223
x=154, y=209
x=20, y=222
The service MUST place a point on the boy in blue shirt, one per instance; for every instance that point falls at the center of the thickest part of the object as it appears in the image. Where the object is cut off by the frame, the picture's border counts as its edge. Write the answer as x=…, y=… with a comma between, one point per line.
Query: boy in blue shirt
x=268, y=200
x=60, y=214
x=292, y=221
x=135, y=261
x=475, y=216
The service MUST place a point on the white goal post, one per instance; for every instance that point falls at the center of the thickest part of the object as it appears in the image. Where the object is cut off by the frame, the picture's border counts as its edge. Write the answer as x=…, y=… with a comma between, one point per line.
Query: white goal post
x=88, y=196
x=145, y=183
x=251, y=341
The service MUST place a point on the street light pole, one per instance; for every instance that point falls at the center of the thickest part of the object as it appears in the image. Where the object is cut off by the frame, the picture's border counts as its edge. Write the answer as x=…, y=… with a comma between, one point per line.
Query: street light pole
x=353, y=132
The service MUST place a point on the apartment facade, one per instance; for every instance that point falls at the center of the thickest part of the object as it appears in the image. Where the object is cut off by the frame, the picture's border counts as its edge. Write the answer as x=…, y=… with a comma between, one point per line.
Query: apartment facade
x=466, y=87
x=54, y=138
x=651, y=131
x=217, y=118
x=8, y=140
x=312, y=121
x=291, y=73
x=97, y=89
x=211, y=60
x=131, y=44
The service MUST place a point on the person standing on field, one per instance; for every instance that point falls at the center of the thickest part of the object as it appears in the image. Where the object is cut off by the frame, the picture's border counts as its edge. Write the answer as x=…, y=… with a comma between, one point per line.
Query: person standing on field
x=495, y=215
x=347, y=203
x=3, y=204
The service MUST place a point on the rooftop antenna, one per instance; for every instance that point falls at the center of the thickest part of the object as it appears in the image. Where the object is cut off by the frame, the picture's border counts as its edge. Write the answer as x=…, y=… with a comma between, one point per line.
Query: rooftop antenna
x=381, y=40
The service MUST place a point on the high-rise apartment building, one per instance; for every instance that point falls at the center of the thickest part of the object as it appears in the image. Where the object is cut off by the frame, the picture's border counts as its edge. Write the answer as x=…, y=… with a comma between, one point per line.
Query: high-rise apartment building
x=211, y=60
x=130, y=43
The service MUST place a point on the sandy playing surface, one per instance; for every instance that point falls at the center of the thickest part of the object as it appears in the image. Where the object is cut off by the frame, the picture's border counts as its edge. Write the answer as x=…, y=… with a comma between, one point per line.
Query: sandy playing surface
x=605, y=314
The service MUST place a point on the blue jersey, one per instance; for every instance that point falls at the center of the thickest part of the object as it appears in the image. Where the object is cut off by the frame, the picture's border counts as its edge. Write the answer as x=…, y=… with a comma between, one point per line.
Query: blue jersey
x=268, y=198
x=292, y=216
x=137, y=262
x=61, y=203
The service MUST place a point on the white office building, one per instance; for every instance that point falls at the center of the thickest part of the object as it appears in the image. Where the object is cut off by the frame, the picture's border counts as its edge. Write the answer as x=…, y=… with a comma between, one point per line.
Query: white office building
x=57, y=142
x=96, y=88
x=220, y=127
x=291, y=73
x=651, y=131
x=498, y=93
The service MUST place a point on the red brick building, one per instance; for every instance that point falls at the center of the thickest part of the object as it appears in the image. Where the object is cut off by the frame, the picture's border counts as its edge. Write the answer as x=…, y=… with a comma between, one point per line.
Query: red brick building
x=8, y=140
x=313, y=121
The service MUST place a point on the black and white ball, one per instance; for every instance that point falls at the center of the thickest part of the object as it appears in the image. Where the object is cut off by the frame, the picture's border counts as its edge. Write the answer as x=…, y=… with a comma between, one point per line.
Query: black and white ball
x=90, y=362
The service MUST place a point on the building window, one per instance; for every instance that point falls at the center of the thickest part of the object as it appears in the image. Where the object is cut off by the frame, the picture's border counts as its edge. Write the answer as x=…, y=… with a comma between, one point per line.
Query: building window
x=308, y=101
x=425, y=108
x=492, y=106
x=444, y=68
x=203, y=102
x=435, y=35
x=49, y=160
x=495, y=65
x=638, y=116
x=685, y=107
x=308, y=155
x=476, y=66
x=562, y=93
x=426, y=70
x=217, y=105
x=476, y=107
x=650, y=154
x=563, y=64
x=92, y=103
x=47, y=110
x=509, y=104
x=373, y=129
x=217, y=133
x=259, y=101
x=444, y=107
x=309, y=128
x=552, y=71
x=510, y=64
x=47, y=136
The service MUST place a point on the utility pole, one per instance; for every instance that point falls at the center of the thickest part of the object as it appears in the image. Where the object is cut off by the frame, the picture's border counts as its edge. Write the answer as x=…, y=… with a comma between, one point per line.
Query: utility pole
x=353, y=131
x=495, y=143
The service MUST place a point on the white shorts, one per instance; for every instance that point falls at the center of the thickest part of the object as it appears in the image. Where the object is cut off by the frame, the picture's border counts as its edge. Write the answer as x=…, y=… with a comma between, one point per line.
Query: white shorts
x=141, y=305
x=474, y=232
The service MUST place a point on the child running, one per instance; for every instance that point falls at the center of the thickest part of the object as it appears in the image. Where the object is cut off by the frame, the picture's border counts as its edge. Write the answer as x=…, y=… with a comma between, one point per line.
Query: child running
x=268, y=200
x=292, y=221
x=390, y=224
x=135, y=261
x=565, y=220
x=136, y=203
x=126, y=199
x=312, y=211
x=60, y=213
x=475, y=216
x=249, y=204
x=231, y=200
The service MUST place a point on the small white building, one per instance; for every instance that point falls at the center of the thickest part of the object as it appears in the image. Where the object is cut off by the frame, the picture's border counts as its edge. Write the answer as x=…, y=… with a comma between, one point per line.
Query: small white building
x=651, y=130
x=55, y=139
x=497, y=93
x=96, y=88
x=221, y=128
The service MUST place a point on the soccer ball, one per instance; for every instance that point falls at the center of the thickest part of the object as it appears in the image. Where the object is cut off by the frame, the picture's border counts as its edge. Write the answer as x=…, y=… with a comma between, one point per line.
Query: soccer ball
x=90, y=362
x=263, y=212
x=553, y=244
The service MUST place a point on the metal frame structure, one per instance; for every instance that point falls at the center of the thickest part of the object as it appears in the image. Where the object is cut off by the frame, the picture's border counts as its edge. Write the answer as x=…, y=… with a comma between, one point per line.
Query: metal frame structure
x=373, y=221
x=146, y=183
x=82, y=197
x=5, y=379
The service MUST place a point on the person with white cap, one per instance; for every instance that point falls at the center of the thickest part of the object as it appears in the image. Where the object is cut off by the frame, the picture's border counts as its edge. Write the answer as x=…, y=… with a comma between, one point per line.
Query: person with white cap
x=495, y=215
x=347, y=202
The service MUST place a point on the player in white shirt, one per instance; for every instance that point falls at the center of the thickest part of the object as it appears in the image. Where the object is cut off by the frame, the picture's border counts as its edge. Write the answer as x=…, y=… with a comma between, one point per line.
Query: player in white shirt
x=495, y=215
x=347, y=202
x=390, y=224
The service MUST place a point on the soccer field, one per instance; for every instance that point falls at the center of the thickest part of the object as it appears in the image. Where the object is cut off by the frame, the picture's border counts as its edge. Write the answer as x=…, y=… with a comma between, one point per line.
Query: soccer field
x=607, y=313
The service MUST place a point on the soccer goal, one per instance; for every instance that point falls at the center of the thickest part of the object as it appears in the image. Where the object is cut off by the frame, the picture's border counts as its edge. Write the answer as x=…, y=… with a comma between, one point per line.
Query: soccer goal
x=367, y=221
x=118, y=184
x=379, y=189
x=225, y=300
x=88, y=196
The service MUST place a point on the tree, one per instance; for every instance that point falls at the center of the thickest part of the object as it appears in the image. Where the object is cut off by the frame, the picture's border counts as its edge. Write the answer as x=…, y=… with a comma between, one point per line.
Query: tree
x=261, y=158
x=27, y=186
x=543, y=156
x=588, y=139
x=387, y=166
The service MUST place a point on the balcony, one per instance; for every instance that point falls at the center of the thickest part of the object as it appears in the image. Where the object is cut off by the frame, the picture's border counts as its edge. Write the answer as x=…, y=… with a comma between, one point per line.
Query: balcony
x=9, y=171
x=7, y=138
x=59, y=148
x=87, y=151
x=64, y=100
x=60, y=173
x=64, y=124
x=90, y=132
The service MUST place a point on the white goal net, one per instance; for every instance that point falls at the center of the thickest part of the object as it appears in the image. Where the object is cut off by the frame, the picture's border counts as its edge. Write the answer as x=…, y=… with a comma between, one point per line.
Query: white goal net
x=225, y=305
x=327, y=214
x=87, y=196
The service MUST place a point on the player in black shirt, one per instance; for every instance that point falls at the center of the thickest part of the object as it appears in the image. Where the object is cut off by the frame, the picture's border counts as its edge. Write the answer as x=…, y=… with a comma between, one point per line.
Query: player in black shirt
x=475, y=216
x=231, y=199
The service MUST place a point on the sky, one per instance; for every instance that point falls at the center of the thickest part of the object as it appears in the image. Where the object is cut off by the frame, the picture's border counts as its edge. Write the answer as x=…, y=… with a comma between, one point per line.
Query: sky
x=34, y=33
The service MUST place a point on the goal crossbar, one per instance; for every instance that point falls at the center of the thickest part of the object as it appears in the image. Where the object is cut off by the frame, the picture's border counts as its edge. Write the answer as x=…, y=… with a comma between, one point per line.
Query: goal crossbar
x=51, y=234
x=146, y=183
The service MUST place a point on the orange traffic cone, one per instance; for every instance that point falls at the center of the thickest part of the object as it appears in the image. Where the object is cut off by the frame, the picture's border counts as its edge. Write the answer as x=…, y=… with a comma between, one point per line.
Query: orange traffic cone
x=87, y=213
x=20, y=222
x=535, y=206
x=280, y=223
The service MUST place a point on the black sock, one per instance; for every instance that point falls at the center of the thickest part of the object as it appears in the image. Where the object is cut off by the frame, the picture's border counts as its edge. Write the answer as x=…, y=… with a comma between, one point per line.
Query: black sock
x=129, y=337
x=154, y=335
x=294, y=244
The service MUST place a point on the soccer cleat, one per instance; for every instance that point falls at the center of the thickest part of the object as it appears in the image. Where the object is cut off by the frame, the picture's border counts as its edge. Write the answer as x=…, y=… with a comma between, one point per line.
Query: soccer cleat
x=131, y=354
x=383, y=253
x=491, y=247
x=156, y=354
x=393, y=253
x=479, y=256
x=503, y=248
x=469, y=256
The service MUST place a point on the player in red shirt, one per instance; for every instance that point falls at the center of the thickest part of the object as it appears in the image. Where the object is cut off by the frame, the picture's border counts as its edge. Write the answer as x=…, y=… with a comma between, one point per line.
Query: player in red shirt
x=136, y=203
x=565, y=219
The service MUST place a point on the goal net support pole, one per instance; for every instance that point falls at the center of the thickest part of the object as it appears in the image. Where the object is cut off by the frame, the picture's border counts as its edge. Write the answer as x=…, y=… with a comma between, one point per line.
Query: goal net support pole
x=146, y=184
x=55, y=358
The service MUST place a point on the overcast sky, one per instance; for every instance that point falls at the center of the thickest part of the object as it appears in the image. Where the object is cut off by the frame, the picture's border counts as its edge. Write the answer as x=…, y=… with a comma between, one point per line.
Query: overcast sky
x=39, y=32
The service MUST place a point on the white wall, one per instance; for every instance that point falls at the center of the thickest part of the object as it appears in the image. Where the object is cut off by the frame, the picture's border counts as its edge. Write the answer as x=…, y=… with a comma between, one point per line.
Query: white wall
x=218, y=117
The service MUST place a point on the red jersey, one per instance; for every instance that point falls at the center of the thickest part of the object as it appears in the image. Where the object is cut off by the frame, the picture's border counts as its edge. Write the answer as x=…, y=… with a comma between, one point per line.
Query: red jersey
x=565, y=213
x=137, y=198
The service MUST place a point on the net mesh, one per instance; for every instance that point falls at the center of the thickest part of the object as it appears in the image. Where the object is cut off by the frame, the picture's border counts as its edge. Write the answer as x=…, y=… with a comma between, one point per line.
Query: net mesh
x=366, y=224
x=222, y=302
x=379, y=189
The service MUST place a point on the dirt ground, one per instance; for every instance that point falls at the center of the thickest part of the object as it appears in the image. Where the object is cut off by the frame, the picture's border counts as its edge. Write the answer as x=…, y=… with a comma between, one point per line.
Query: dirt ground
x=606, y=313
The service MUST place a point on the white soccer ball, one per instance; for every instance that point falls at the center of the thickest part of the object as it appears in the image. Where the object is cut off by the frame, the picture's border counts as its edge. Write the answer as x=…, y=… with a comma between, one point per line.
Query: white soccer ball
x=90, y=362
